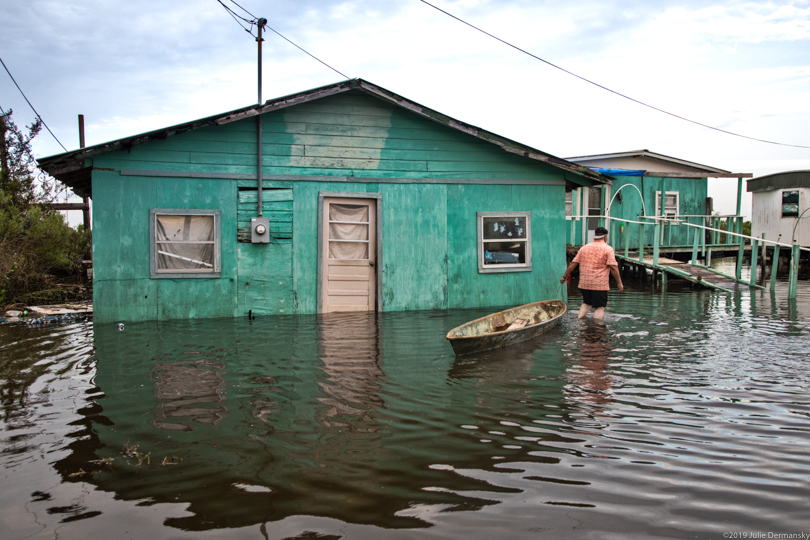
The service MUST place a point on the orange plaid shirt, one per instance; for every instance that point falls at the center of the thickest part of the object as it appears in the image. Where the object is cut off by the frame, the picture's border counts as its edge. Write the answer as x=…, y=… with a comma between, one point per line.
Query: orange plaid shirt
x=594, y=261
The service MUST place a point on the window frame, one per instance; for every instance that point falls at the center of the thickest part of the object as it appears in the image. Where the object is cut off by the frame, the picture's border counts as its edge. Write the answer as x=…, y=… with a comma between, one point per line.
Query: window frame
x=658, y=212
x=201, y=274
x=502, y=268
x=782, y=203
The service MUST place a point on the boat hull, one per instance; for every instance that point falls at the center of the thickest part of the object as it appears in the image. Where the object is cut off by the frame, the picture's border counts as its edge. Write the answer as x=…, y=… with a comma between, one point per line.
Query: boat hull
x=492, y=331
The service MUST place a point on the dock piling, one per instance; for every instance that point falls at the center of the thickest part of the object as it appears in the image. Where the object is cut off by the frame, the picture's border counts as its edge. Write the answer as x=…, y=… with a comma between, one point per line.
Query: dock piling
x=794, y=271
x=754, y=251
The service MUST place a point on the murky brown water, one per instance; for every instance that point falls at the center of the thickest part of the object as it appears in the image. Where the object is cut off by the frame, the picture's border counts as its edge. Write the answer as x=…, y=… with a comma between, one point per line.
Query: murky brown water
x=685, y=415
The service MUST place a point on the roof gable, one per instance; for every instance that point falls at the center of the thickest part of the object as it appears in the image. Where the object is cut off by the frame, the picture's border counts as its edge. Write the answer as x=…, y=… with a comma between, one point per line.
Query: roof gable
x=70, y=167
x=654, y=164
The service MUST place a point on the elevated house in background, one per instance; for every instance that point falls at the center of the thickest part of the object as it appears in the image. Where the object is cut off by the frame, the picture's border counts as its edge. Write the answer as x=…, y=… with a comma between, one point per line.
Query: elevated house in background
x=642, y=181
x=781, y=207
x=368, y=201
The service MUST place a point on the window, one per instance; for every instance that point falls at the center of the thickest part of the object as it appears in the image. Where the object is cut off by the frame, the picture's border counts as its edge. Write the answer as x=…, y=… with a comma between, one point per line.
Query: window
x=672, y=204
x=184, y=243
x=569, y=204
x=790, y=204
x=504, y=242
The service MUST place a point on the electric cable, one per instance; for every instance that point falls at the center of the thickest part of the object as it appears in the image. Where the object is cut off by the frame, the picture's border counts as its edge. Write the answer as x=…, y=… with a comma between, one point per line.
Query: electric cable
x=254, y=22
x=310, y=54
x=236, y=17
x=605, y=87
x=32, y=107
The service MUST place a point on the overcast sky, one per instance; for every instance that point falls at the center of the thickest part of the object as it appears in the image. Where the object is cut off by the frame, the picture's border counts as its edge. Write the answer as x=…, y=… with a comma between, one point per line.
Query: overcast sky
x=131, y=67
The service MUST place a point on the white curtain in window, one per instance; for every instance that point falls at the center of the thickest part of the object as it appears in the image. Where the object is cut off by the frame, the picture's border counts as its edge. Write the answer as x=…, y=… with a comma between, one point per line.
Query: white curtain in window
x=352, y=233
x=179, y=242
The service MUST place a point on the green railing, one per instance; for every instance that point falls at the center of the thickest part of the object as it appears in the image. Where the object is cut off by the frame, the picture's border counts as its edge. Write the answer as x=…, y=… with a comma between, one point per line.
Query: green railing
x=718, y=238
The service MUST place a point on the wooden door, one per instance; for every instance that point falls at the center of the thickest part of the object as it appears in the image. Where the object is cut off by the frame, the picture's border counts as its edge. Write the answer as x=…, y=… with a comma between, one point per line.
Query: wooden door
x=348, y=272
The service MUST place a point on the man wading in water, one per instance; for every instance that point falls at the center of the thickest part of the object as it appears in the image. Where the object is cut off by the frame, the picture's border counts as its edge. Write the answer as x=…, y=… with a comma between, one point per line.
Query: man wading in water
x=596, y=263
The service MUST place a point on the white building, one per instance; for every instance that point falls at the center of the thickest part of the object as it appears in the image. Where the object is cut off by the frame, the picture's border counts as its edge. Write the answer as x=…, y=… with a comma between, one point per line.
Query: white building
x=781, y=207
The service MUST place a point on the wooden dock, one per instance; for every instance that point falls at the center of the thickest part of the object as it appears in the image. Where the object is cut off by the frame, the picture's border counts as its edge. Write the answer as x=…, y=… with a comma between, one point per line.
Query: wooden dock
x=697, y=274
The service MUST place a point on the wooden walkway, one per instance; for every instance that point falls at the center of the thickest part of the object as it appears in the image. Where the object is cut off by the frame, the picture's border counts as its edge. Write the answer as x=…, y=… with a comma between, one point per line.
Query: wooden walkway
x=699, y=275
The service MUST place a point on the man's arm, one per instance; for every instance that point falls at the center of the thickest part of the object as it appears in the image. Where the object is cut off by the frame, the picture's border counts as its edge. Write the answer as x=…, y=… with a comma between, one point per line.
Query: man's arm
x=614, y=271
x=571, y=268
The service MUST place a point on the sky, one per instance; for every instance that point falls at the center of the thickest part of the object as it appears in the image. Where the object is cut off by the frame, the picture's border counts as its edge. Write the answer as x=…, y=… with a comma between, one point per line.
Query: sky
x=131, y=67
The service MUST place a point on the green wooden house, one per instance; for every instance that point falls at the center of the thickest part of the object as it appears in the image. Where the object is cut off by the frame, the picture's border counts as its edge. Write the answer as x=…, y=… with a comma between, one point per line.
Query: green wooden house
x=642, y=180
x=369, y=201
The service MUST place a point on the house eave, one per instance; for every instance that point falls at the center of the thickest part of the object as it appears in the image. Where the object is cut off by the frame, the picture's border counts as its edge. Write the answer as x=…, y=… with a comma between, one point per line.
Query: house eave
x=64, y=166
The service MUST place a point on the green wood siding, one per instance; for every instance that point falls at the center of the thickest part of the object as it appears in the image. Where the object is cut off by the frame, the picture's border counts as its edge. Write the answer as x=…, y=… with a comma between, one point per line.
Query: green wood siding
x=692, y=193
x=428, y=230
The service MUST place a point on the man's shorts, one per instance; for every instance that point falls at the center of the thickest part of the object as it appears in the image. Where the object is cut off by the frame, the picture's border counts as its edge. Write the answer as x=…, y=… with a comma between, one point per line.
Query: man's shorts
x=595, y=299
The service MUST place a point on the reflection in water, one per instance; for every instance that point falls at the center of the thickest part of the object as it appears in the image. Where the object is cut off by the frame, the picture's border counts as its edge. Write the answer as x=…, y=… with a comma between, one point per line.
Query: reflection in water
x=591, y=376
x=184, y=389
x=349, y=350
x=364, y=425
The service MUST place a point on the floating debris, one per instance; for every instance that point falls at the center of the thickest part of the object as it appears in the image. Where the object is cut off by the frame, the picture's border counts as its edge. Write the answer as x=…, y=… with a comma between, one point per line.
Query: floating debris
x=174, y=460
x=131, y=451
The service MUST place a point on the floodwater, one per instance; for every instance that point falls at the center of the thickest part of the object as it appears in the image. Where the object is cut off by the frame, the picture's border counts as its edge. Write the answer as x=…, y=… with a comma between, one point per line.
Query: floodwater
x=684, y=415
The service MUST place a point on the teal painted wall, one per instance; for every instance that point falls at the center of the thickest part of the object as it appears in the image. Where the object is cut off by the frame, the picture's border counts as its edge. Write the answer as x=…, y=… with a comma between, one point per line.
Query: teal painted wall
x=428, y=230
x=693, y=193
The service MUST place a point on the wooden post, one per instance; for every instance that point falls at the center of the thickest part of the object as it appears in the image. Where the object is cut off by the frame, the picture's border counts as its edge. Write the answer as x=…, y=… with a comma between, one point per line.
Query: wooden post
x=764, y=255
x=695, y=247
x=85, y=200
x=729, y=228
x=703, y=240
x=574, y=212
x=793, y=280
x=626, y=243
x=586, y=196
x=741, y=252
x=754, y=252
x=663, y=281
x=656, y=242
x=641, y=242
x=774, y=264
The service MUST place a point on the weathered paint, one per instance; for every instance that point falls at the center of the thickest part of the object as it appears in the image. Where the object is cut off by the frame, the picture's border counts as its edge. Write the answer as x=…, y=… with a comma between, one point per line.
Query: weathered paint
x=429, y=229
x=767, y=217
x=692, y=201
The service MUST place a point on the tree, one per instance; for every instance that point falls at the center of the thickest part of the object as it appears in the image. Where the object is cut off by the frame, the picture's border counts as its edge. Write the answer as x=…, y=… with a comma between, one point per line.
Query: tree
x=17, y=166
x=37, y=246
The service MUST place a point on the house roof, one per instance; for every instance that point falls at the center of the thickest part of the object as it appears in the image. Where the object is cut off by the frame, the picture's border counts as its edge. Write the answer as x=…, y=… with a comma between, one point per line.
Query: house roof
x=70, y=169
x=782, y=180
x=659, y=165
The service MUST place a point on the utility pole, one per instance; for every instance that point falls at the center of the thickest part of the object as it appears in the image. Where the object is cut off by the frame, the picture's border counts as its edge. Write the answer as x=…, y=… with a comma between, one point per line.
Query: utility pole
x=261, y=22
x=85, y=200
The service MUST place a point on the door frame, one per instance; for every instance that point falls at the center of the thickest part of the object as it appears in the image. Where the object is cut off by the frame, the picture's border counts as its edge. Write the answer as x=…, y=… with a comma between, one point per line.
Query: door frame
x=378, y=248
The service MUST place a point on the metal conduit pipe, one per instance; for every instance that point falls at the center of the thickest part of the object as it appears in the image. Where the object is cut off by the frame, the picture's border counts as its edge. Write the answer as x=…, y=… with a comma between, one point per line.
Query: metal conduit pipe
x=260, y=23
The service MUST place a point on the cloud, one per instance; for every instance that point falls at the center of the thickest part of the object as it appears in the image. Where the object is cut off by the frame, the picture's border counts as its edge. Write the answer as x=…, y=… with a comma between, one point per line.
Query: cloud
x=132, y=67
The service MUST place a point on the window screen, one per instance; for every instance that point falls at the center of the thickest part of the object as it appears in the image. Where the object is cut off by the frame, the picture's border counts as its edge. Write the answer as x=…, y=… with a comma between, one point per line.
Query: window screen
x=790, y=204
x=504, y=241
x=185, y=243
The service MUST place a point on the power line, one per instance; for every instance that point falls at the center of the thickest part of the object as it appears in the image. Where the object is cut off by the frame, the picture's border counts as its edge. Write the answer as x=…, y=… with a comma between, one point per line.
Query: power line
x=238, y=18
x=32, y=107
x=246, y=11
x=605, y=87
x=310, y=54
x=253, y=22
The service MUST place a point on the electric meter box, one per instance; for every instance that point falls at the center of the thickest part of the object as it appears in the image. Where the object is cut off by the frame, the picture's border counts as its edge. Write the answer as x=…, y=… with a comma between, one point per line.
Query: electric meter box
x=260, y=230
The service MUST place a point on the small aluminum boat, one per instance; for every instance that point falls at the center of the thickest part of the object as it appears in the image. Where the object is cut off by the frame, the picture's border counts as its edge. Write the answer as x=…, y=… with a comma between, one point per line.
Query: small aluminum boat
x=506, y=327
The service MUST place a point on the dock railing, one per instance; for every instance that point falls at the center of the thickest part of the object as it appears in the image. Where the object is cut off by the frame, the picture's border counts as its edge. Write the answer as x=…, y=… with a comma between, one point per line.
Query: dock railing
x=719, y=237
